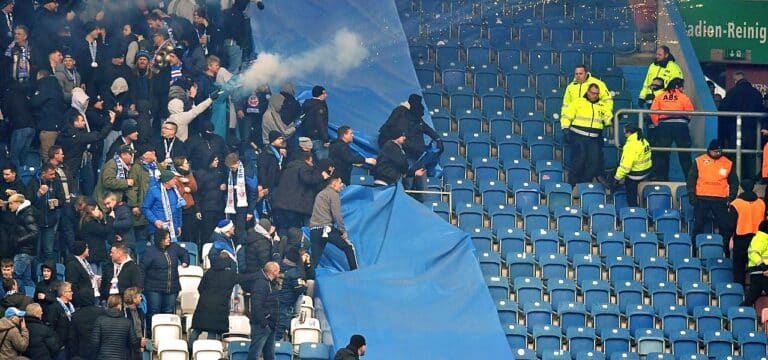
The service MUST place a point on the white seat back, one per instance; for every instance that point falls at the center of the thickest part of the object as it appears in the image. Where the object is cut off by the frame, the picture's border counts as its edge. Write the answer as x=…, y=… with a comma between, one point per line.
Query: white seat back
x=190, y=277
x=165, y=327
x=206, y=249
x=172, y=349
x=239, y=325
x=306, y=331
x=207, y=350
x=189, y=301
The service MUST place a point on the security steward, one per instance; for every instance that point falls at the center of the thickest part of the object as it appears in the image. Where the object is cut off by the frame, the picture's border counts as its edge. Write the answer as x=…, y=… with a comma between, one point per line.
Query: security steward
x=582, y=125
x=712, y=184
x=582, y=78
x=757, y=265
x=635, y=164
x=746, y=213
x=663, y=66
x=672, y=128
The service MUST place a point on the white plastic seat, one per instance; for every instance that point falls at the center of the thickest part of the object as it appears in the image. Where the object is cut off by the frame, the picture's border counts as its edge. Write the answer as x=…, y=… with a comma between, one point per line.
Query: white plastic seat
x=190, y=277
x=305, y=329
x=206, y=249
x=165, y=327
x=172, y=349
x=305, y=305
x=207, y=350
x=188, y=300
x=239, y=329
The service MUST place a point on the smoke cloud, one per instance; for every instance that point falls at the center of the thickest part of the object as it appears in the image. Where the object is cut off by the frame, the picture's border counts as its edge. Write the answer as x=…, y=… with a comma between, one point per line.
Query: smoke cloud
x=335, y=58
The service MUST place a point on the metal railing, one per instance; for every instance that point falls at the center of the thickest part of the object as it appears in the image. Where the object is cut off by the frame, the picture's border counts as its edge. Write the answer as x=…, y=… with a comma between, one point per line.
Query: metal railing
x=738, y=115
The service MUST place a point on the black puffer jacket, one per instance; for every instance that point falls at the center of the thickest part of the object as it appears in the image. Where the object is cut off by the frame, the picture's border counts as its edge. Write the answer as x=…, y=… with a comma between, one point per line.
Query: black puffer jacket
x=296, y=191
x=75, y=141
x=94, y=232
x=113, y=336
x=258, y=251
x=209, y=196
x=264, y=305
x=212, y=311
x=15, y=106
x=83, y=322
x=44, y=344
x=160, y=268
x=391, y=164
x=26, y=230
x=47, y=287
x=48, y=104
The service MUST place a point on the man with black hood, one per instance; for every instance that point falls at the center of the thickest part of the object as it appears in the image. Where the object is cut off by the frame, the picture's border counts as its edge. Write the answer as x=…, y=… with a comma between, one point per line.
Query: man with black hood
x=353, y=351
x=294, y=285
x=202, y=146
x=316, y=121
x=291, y=109
x=48, y=107
x=746, y=213
x=300, y=182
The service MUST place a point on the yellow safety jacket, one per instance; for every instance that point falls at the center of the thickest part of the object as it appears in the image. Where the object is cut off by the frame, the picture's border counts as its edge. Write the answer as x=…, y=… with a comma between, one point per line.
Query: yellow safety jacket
x=758, y=249
x=669, y=72
x=586, y=118
x=575, y=91
x=635, y=159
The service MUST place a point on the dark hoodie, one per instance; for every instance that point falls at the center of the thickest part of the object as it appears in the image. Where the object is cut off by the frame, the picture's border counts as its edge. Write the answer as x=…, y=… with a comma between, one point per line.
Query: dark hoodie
x=209, y=195
x=407, y=118
x=316, y=119
x=291, y=109
x=48, y=104
x=47, y=287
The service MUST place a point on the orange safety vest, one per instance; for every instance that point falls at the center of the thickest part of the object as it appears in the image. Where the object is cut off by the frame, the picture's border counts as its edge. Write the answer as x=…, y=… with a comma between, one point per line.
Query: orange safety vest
x=751, y=213
x=765, y=161
x=713, y=176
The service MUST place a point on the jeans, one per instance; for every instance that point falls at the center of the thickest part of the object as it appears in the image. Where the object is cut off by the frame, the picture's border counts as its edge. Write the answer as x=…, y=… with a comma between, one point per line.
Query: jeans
x=21, y=142
x=334, y=237
x=262, y=342
x=46, y=247
x=22, y=270
x=319, y=150
x=159, y=303
x=287, y=313
x=234, y=55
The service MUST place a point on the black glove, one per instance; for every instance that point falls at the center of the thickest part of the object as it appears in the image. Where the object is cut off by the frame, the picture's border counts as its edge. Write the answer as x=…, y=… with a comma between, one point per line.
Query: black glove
x=215, y=95
x=641, y=103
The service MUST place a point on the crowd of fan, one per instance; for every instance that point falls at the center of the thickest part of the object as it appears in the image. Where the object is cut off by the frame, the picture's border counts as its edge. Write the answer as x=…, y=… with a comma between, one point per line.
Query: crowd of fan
x=142, y=148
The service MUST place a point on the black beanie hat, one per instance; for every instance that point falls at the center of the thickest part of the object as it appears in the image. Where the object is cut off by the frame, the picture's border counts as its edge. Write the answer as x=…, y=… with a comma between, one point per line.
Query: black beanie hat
x=317, y=91
x=357, y=341
x=747, y=185
x=414, y=99
x=714, y=145
x=292, y=254
x=78, y=247
x=274, y=134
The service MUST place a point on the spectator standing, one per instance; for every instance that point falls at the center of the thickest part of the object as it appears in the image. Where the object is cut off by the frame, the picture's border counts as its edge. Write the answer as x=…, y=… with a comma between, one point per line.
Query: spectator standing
x=756, y=266
x=392, y=163
x=223, y=242
x=746, y=212
x=48, y=107
x=159, y=267
x=83, y=322
x=114, y=175
x=17, y=336
x=129, y=136
x=241, y=201
x=210, y=197
x=44, y=344
x=68, y=77
x=187, y=187
x=327, y=224
x=207, y=87
x=120, y=273
x=25, y=234
x=163, y=204
x=182, y=118
x=294, y=285
x=743, y=96
x=316, y=121
x=204, y=145
x=664, y=66
x=46, y=288
x=169, y=145
x=16, y=107
x=582, y=125
x=672, y=128
x=112, y=336
x=59, y=314
x=79, y=273
x=94, y=230
x=262, y=246
x=145, y=175
x=293, y=198
x=712, y=184
x=9, y=186
x=131, y=302
x=264, y=313
x=14, y=296
x=635, y=164
x=273, y=121
x=118, y=216
x=582, y=79
x=344, y=157
x=250, y=114
x=354, y=350
x=47, y=196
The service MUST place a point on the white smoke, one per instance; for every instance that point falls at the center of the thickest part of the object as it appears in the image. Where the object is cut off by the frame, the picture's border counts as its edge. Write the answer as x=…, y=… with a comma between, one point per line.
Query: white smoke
x=334, y=58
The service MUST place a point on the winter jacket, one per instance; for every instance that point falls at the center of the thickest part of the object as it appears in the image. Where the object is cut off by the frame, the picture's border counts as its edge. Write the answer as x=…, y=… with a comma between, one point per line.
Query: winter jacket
x=17, y=300
x=26, y=230
x=47, y=287
x=153, y=207
x=113, y=336
x=223, y=243
x=82, y=288
x=160, y=268
x=576, y=90
x=44, y=344
x=142, y=180
x=205, y=86
x=269, y=169
x=191, y=184
x=343, y=158
x=182, y=118
x=201, y=148
x=251, y=195
x=209, y=195
x=212, y=311
x=264, y=304
x=83, y=323
x=291, y=289
x=272, y=120
x=296, y=192
x=405, y=119
x=48, y=104
x=291, y=109
x=16, y=107
x=129, y=276
x=16, y=339
x=665, y=69
x=108, y=182
x=94, y=233
x=122, y=224
x=67, y=80
x=55, y=315
x=76, y=141
x=315, y=123
x=346, y=354
x=46, y=216
x=391, y=165
x=176, y=145
x=258, y=251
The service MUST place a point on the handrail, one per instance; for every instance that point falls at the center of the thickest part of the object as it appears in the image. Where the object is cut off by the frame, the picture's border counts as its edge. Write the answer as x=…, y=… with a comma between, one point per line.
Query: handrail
x=739, y=115
x=441, y=193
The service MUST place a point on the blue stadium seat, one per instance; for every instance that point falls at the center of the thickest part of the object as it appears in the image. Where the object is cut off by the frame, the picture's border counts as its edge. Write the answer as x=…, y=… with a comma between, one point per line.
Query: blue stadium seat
x=440, y=208
x=547, y=338
x=314, y=351
x=688, y=269
x=742, y=319
x=587, y=268
x=518, y=171
x=537, y=313
x=601, y=60
x=572, y=315
x=649, y=341
x=503, y=217
x=447, y=53
x=553, y=9
x=602, y=218
x=523, y=102
x=499, y=35
x=510, y=147
x=549, y=171
x=666, y=221
x=591, y=193
x=548, y=80
x=684, y=342
x=530, y=126
x=619, y=196
x=498, y=287
x=500, y=122
x=560, y=32
x=238, y=350
x=678, y=246
x=485, y=169
x=553, y=102
x=620, y=269
x=433, y=184
x=529, y=33
x=526, y=194
x=640, y=316
x=719, y=343
x=491, y=103
x=544, y=241
x=577, y=243
x=516, y=76
x=728, y=295
x=695, y=294
x=611, y=243
x=478, y=51
x=709, y=246
x=568, y=220
x=525, y=354
x=454, y=168
x=485, y=79
x=454, y=77
x=720, y=270
x=560, y=290
x=581, y=339
x=673, y=319
x=542, y=61
x=470, y=216
x=708, y=318
x=511, y=239
x=490, y=263
x=615, y=341
x=629, y=294
x=654, y=270
x=493, y=193
x=507, y=310
x=451, y=144
x=644, y=245
x=558, y=194
x=592, y=34
x=542, y=148
x=752, y=344
x=624, y=39
x=469, y=122
x=657, y=197
x=462, y=191
x=283, y=351
x=520, y=265
x=425, y=72
x=553, y=266
x=442, y=123
x=556, y=355
x=517, y=336
x=597, y=293
x=481, y=238
x=365, y=180
x=461, y=98
x=633, y=220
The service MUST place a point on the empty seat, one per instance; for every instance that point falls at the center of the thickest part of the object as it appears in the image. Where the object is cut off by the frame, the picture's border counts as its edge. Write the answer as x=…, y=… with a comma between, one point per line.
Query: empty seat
x=186, y=245
x=615, y=341
x=753, y=344
x=549, y=171
x=498, y=287
x=537, y=313
x=728, y=295
x=547, y=338
x=503, y=217
x=572, y=315
x=490, y=263
x=536, y=219
x=510, y=239
x=553, y=266
x=695, y=294
x=708, y=317
x=501, y=123
x=166, y=327
x=305, y=330
x=544, y=241
x=678, y=246
x=742, y=319
x=454, y=168
x=666, y=221
x=568, y=220
x=542, y=148
x=528, y=289
x=518, y=171
x=517, y=336
x=485, y=79
x=526, y=194
x=314, y=351
x=470, y=216
x=719, y=343
x=633, y=220
x=709, y=246
x=640, y=316
x=684, y=342
x=688, y=269
x=490, y=103
x=620, y=268
x=238, y=350
x=657, y=197
x=189, y=277
x=644, y=245
x=481, y=238
x=628, y=294
x=649, y=341
x=477, y=144
x=673, y=319
x=493, y=193
x=653, y=270
x=558, y=194
x=587, y=268
x=590, y=193
x=172, y=349
x=507, y=311
x=720, y=270
x=510, y=148
x=581, y=339
x=577, y=243
x=207, y=350
x=611, y=243
x=239, y=328
x=485, y=170
x=561, y=291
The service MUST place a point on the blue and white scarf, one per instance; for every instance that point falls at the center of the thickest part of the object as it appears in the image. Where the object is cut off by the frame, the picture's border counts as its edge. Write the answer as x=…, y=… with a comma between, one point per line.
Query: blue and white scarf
x=168, y=211
x=122, y=167
x=278, y=156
